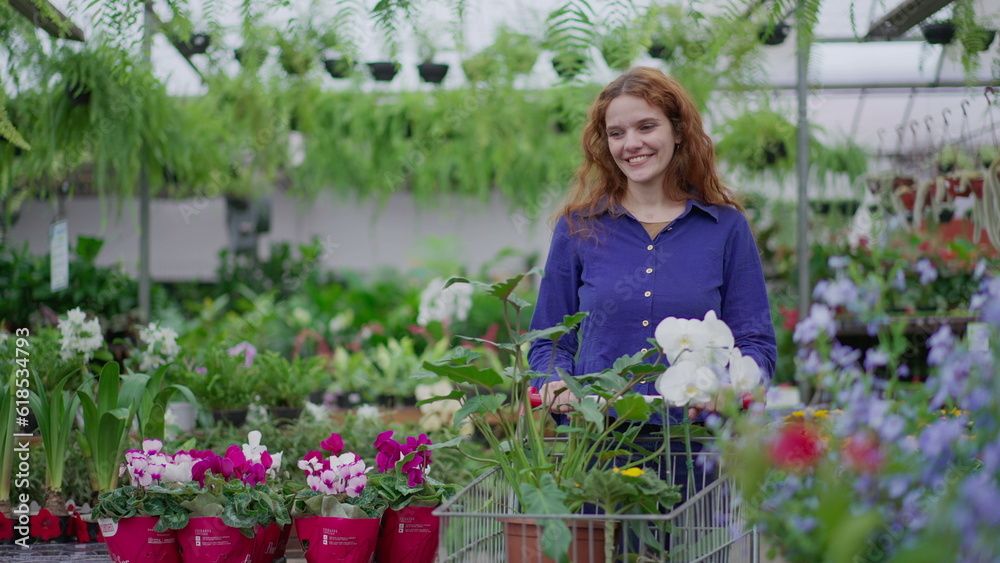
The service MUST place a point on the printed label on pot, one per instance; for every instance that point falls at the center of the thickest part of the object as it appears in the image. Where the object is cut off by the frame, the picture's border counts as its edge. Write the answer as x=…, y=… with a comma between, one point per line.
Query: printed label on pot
x=108, y=526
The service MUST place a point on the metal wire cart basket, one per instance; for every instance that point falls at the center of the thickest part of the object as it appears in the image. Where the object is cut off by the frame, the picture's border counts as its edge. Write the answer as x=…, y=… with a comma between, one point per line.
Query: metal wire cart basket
x=483, y=524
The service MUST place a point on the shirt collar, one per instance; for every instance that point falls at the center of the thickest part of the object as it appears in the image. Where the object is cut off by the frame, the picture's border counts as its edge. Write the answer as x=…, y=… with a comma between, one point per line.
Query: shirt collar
x=710, y=209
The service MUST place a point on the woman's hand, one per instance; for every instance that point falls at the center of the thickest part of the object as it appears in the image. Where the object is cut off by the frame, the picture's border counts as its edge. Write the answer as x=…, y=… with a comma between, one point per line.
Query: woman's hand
x=557, y=397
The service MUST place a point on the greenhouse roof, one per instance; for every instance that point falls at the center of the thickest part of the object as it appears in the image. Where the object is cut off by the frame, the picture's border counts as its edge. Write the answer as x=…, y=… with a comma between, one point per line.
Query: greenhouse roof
x=890, y=96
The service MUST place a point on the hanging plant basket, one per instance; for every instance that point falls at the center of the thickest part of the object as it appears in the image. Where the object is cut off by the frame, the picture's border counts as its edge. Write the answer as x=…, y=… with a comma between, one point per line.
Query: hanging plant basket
x=660, y=51
x=384, y=71
x=79, y=94
x=196, y=45
x=938, y=33
x=339, y=68
x=980, y=39
x=774, y=35
x=432, y=73
x=245, y=55
x=569, y=65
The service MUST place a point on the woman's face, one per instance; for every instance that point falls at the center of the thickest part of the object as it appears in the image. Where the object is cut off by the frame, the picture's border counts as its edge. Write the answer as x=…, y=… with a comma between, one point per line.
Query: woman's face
x=641, y=140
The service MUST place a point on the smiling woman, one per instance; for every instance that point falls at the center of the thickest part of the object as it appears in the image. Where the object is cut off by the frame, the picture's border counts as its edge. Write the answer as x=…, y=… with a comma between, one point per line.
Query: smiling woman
x=648, y=232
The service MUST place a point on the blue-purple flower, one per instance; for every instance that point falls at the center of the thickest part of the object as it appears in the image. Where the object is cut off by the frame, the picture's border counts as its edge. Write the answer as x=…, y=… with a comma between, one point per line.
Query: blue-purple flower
x=928, y=273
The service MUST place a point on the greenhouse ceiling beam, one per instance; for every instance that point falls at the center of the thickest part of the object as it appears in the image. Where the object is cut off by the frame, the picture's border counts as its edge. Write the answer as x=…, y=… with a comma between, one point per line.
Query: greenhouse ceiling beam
x=903, y=17
x=943, y=86
x=57, y=29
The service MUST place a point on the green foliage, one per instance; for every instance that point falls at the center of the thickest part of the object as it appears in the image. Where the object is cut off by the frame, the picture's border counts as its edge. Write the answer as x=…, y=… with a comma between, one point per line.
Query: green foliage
x=55, y=410
x=541, y=472
x=8, y=387
x=25, y=288
x=284, y=383
x=226, y=384
x=109, y=404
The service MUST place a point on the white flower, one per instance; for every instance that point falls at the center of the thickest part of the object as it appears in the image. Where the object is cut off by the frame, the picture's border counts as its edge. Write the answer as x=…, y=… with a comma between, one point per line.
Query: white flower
x=744, y=373
x=252, y=450
x=704, y=341
x=80, y=336
x=687, y=382
x=368, y=412
x=438, y=303
x=161, y=346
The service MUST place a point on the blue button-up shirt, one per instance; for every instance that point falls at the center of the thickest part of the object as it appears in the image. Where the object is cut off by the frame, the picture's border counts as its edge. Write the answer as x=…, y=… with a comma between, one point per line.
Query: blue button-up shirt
x=705, y=259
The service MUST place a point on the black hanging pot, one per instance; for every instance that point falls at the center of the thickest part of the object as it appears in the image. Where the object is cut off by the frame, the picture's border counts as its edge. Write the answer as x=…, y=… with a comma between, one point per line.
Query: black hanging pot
x=938, y=33
x=384, y=71
x=569, y=65
x=433, y=73
x=339, y=68
x=660, y=51
x=774, y=151
x=196, y=45
x=79, y=94
x=774, y=35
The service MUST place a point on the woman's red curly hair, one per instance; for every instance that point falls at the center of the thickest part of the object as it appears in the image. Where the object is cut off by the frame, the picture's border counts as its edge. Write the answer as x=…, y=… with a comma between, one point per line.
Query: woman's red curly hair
x=601, y=185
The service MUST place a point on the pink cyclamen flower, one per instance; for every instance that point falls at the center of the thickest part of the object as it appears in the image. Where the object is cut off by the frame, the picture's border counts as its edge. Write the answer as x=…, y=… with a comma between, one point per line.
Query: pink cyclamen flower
x=389, y=451
x=334, y=444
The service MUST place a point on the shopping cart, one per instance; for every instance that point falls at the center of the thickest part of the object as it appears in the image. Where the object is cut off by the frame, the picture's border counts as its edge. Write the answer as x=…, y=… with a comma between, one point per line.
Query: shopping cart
x=482, y=524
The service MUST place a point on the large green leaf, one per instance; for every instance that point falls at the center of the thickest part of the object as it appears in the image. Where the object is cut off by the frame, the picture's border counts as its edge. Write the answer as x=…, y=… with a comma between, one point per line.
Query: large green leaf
x=466, y=374
x=633, y=407
x=480, y=404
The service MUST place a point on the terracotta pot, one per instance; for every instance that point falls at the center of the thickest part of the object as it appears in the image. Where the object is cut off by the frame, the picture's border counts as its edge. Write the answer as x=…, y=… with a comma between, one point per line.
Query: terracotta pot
x=522, y=545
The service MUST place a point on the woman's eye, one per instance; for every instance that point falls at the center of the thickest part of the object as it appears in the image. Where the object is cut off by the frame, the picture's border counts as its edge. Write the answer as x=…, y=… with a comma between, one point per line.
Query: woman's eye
x=647, y=127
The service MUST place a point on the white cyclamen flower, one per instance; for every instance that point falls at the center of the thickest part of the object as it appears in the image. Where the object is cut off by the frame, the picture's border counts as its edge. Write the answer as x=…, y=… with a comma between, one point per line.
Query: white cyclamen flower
x=438, y=303
x=686, y=383
x=744, y=373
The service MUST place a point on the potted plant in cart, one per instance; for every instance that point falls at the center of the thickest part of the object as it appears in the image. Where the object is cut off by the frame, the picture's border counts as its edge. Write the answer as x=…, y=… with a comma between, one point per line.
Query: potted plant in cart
x=554, y=480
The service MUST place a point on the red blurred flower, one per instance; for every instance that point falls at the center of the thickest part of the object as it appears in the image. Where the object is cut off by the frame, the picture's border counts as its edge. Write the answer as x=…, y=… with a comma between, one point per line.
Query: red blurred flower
x=45, y=526
x=924, y=246
x=6, y=527
x=948, y=254
x=862, y=452
x=791, y=317
x=334, y=444
x=797, y=447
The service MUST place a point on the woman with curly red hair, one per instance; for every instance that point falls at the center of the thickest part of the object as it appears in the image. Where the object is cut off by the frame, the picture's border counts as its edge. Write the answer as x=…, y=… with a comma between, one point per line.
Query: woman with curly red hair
x=648, y=231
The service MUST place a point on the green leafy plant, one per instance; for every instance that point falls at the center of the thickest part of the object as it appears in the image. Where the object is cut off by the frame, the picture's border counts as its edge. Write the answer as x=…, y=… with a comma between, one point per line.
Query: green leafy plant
x=55, y=410
x=154, y=400
x=109, y=404
x=227, y=382
x=541, y=473
x=283, y=383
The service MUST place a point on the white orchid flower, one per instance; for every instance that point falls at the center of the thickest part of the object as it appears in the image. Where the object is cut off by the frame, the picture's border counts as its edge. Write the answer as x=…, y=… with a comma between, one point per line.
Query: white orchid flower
x=681, y=336
x=687, y=382
x=744, y=373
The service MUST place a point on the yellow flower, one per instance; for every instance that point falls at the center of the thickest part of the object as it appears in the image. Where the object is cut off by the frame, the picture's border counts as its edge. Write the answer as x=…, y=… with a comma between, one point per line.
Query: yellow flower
x=632, y=472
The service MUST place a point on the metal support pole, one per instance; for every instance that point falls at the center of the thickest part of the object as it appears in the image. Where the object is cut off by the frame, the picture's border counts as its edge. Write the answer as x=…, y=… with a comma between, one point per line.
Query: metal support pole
x=802, y=169
x=145, y=253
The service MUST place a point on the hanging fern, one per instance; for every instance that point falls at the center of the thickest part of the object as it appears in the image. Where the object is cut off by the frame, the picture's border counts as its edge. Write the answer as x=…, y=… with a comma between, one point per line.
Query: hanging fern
x=571, y=32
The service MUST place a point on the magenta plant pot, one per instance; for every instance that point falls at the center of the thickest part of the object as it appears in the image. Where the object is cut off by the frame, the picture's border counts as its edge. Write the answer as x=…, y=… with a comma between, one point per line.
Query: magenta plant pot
x=326, y=539
x=409, y=535
x=270, y=542
x=132, y=539
x=210, y=540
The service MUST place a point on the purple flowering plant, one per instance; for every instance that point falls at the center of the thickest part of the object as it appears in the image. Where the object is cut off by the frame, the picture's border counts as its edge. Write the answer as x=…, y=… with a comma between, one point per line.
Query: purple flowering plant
x=887, y=471
x=403, y=477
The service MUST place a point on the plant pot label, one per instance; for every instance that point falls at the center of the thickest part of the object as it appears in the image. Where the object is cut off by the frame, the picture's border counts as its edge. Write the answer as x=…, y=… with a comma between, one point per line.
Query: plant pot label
x=132, y=540
x=210, y=540
x=327, y=539
x=409, y=535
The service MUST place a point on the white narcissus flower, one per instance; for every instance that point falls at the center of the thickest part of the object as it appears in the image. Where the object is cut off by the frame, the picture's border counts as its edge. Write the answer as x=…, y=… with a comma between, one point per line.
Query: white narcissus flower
x=687, y=382
x=744, y=373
